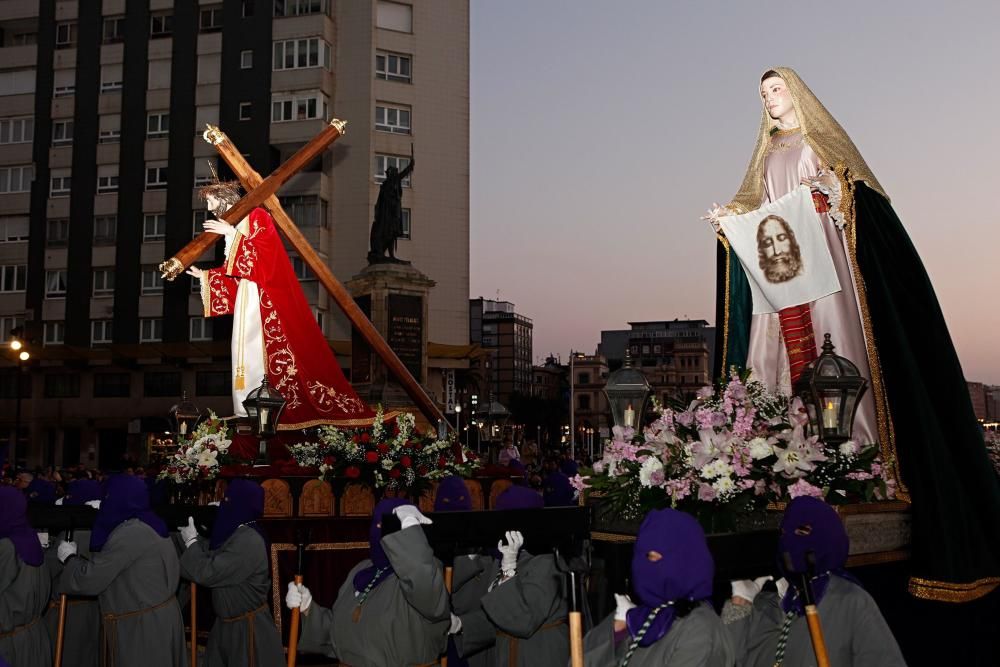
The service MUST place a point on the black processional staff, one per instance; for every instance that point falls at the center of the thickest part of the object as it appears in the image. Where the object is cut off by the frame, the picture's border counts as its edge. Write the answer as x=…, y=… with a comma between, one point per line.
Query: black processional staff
x=293, y=631
x=809, y=602
x=61, y=633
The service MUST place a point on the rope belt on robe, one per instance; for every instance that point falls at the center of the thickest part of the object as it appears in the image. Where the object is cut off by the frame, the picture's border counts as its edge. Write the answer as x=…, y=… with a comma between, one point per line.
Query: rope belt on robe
x=18, y=629
x=249, y=618
x=512, y=653
x=796, y=322
x=109, y=630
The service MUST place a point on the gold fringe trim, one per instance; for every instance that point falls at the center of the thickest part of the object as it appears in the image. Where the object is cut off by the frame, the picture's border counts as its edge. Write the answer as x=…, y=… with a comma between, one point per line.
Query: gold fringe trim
x=943, y=591
x=234, y=251
x=887, y=433
x=725, y=317
x=206, y=292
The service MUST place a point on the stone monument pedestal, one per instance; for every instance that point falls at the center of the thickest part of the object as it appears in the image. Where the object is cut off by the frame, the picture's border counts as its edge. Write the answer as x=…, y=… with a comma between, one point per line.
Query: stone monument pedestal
x=394, y=297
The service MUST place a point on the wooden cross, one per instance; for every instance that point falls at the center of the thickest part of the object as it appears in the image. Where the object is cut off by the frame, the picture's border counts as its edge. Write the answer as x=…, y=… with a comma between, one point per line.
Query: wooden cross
x=260, y=192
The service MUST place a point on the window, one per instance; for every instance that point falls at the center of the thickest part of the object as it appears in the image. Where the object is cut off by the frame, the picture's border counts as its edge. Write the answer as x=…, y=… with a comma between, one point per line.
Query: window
x=203, y=172
x=394, y=119
x=111, y=77
x=246, y=59
x=406, y=225
x=114, y=29
x=24, y=38
x=301, y=7
x=104, y=282
x=394, y=16
x=583, y=378
x=154, y=226
x=16, y=179
x=13, y=277
x=64, y=82
x=246, y=108
x=156, y=177
x=306, y=210
x=55, y=282
x=198, y=222
x=17, y=81
x=321, y=318
x=62, y=385
x=158, y=124
x=583, y=401
x=248, y=8
x=211, y=19
x=150, y=330
x=56, y=232
x=17, y=130
x=60, y=186
x=300, y=53
x=107, y=178
x=392, y=66
x=101, y=332
x=161, y=24
x=162, y=383
x=112, y=385
x=7, y=324
x=152, y=281
x=383, y=162
x=13, y=229
x=110, y=128
x=299, y=106
x=105, y=229
x=62, y=132
x=54, y=333
x=65, y=34
x=301, y=269
x=212, y=383
x=201, y=329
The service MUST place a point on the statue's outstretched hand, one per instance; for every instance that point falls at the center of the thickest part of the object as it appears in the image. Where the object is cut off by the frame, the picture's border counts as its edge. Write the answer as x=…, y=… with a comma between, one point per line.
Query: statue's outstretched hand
x=220, y=227
x=713, y=214
x=195, y=272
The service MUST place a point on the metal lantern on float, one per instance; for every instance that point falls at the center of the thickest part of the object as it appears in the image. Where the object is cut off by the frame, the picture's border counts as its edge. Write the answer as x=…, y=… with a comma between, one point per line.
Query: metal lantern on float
x=831, y=388
x=185, y=415
x=627, y=389
x=264, y=406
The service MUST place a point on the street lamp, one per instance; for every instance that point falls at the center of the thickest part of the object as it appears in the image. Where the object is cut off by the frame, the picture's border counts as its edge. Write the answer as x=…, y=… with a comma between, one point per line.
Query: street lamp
x=626, y=390
x=831, y=388
x=572, y=404
x=264, y=406
x=22, y=356
x=458, y=422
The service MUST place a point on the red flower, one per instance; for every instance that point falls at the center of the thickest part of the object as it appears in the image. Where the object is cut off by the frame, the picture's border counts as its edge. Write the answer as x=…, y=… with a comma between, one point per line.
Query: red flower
x=422, y=470
x=329, y=460
x=356, y=438
x=406, y=461
x=382, y=448
x=371, y=457
x=395, y=429
x=365, y=438
x=471, y=455
x=395, y=473
x=352, y=472
x=442, y=462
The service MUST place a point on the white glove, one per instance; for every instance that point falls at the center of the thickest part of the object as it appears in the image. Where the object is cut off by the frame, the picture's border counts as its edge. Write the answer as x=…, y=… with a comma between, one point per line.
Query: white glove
x=782, y=586
x=65, y=550
x=60, y=502
x=623, y=604
x=409, y=516
x=298, y=596
x=747, y=589
x=188, y=533
x=43, y=537
x=214, y=503
x=508, y=561
x=456, y=625
x=96, y=504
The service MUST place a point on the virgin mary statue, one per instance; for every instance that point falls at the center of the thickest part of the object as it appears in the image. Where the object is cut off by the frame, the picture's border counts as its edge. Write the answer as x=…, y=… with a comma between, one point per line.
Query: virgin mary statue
x=886, y=319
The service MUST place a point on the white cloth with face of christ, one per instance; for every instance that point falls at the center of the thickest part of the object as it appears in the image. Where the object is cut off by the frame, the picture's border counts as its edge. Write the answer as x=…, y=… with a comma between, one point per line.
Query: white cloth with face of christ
x=784, y=252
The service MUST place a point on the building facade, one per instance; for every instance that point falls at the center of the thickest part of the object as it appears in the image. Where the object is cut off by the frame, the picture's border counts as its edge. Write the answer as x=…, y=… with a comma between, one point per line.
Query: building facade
x=507, y=338
x=102, y=105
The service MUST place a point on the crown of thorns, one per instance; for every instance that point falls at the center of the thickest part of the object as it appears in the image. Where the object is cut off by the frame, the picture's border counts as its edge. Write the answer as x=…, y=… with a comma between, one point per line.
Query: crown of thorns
x=227, y=190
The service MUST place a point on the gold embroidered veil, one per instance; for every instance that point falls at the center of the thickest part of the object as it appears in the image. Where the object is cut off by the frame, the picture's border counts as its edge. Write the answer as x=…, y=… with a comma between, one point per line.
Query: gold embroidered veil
x=819, y=128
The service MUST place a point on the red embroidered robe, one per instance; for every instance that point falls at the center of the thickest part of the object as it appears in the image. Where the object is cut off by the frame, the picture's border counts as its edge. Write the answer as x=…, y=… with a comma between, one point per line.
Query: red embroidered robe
x=295, y=355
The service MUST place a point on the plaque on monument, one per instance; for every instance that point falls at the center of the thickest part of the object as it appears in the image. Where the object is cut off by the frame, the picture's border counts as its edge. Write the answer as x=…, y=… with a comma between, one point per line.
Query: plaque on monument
x=406, y=331
x=361, y=352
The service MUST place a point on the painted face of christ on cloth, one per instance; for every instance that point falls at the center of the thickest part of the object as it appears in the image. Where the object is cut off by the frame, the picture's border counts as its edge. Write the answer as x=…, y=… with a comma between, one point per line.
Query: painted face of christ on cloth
x=778, y=252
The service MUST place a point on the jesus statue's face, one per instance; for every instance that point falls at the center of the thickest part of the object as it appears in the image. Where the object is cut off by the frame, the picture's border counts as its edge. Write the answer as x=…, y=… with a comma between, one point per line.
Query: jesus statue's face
x=778, y=101
x=215, y=205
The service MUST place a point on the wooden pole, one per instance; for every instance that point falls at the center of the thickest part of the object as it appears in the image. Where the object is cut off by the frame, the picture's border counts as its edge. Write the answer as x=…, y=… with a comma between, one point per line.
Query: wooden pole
x=194, y=623
x=61, y=634
x=816, y=635
x=251, y=180
x=256, y=196
x=575, y=622
x=293, y=631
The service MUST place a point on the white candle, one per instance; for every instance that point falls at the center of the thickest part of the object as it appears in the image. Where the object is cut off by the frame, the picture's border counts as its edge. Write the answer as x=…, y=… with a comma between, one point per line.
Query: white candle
x=184, y=428
x=829, y=415
x=629, y=416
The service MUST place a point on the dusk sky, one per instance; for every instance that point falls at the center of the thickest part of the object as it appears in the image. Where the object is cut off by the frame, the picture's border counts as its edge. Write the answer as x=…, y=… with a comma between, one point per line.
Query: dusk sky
x=602, y=131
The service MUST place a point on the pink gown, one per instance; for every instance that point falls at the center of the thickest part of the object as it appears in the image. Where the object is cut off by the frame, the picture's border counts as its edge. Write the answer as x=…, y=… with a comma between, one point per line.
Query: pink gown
x=789, y=160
